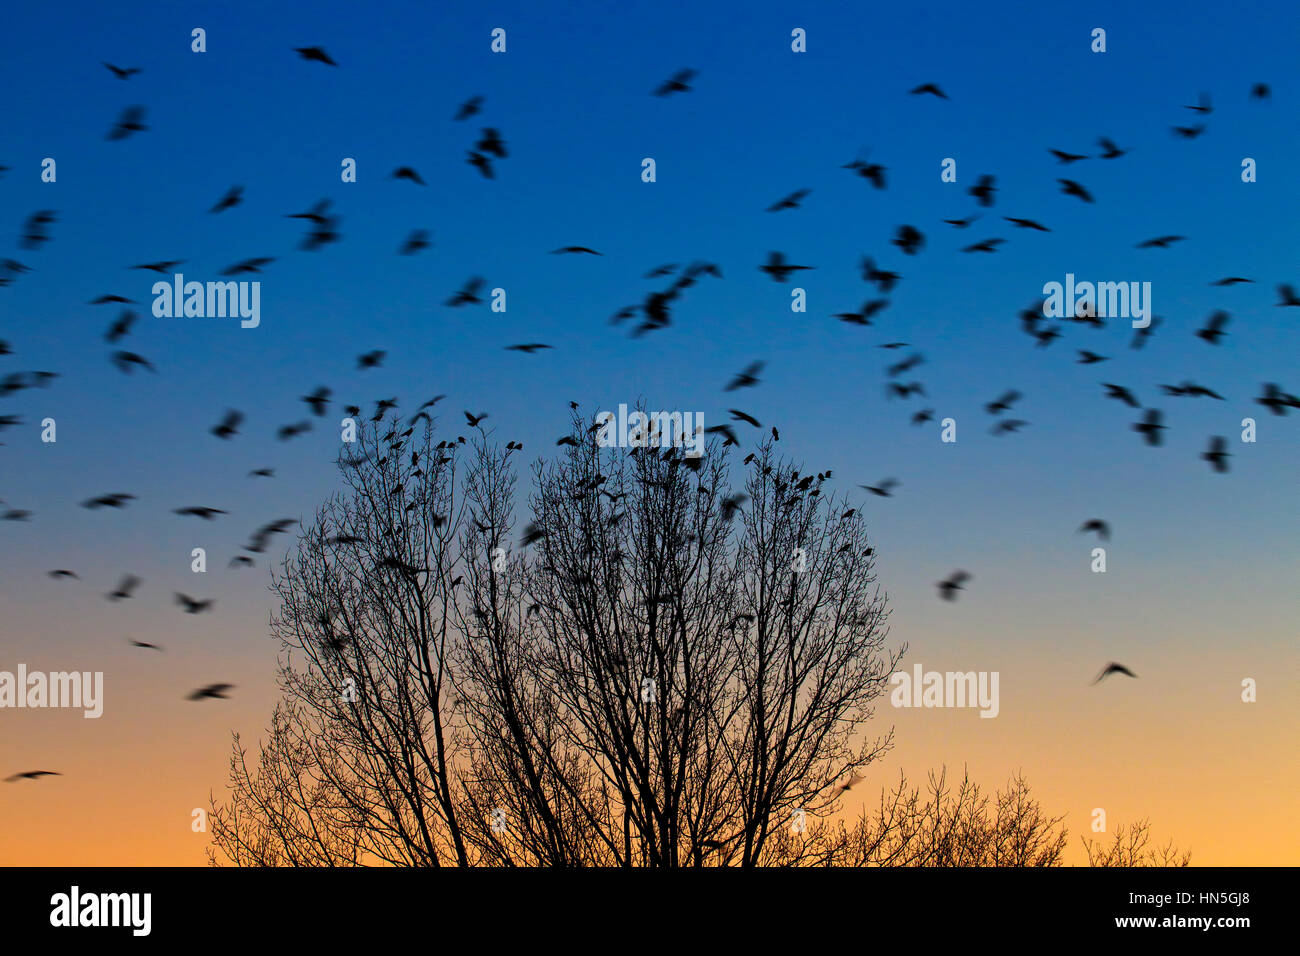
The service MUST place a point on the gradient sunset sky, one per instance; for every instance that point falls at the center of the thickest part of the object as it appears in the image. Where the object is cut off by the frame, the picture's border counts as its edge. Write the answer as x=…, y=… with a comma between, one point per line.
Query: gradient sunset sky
x=1201, y=588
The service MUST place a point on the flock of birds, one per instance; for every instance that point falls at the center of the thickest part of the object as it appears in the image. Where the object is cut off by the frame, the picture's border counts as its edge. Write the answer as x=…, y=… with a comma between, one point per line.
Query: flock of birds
x=653, y=312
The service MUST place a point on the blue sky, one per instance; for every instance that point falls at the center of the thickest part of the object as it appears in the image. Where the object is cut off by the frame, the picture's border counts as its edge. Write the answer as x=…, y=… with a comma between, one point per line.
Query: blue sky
x=571, y=96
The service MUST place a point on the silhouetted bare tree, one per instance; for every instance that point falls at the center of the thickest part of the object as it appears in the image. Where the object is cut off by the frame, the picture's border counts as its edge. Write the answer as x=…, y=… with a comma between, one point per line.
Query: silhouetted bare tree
x=661, y=671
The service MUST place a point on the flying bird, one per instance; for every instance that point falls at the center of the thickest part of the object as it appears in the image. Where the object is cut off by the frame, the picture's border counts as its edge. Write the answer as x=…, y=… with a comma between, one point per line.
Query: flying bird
x=131, y=121
x=469, y=108
x=1160, y=242
x=407, y=173
x=191, y=605
x=983, y=190
x=1113, y=668
x=884, y=489
x=315, y=53
x=1150, y=427
x=213, y=691
x=233, y=197
x=909, y=239
x=931, y=88
x=32, y=775
x=199, y=511
x=778, y=268
x=228, y=425
x=949, y=587
x=1217, y=454
x=1071, y=188
x=1095, y=524
x=1288, y=296
x=128, y=584
x=122, y=73
x=1213, y=330
x=677, y=83
x=791, y=201
x=747, y=378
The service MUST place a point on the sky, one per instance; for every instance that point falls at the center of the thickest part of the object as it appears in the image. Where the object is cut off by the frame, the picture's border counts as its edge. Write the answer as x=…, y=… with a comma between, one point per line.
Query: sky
x=1200, y=590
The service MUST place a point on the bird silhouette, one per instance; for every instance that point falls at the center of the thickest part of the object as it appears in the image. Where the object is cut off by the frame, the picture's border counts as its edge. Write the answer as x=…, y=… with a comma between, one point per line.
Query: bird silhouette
x=128, y=584
x=1095, y=524
x=122, y=73
x=211, y=692
x=131, y=121
x=1217, y=454
x=32, y=775
x=1150, y=427
x=1113, y=668
x=930, y=88
x=777, y=267
x=314, y=53
x=677, y=83
x=949, y=587
x=1071, y=188
x=884, y=489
